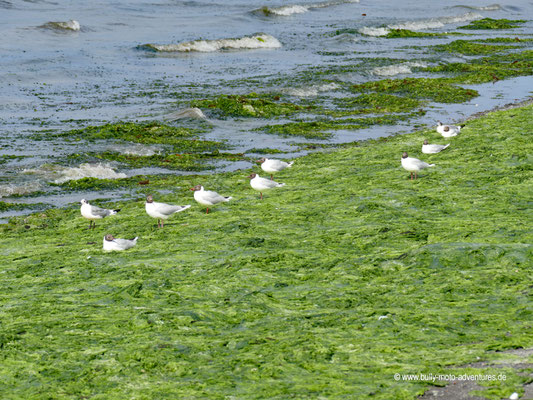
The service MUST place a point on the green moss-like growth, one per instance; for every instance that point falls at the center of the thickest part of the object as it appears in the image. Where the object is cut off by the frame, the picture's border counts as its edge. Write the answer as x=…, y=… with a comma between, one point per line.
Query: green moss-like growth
x=436, y=89
x=183, y=161
x=485, y=70
x=378, y=103
x=489, y=23
x=5, y=206
x=321, y=129
x=406, y=33
x=471, y=48
x=251, y=105
x=325, y=288
x=146, y=133
x=99, y=184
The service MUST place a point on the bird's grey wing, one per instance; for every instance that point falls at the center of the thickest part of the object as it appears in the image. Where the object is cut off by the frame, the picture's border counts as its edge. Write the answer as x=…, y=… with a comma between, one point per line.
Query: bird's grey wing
x=125, y=243
x=168, y=209
x=213, y=197
x=100, y=212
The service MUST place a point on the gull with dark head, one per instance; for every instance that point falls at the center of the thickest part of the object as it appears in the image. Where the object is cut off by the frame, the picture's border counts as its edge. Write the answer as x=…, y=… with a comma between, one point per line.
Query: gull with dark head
x=433, y=148
x=161, y=211
x=208, y=197
x=448, y=130
x=262, y=184
x=93, y=213
x=413, y=165
x=272, y=166
x=111, y=243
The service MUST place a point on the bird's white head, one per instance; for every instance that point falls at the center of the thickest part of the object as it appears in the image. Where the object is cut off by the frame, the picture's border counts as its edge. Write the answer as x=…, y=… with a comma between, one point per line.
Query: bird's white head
x=83, y=201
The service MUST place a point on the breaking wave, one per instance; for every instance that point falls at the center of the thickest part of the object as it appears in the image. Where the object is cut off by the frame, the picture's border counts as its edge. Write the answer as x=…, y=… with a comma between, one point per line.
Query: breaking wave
x=430, y=23
x=311, y=91
x=59, y=174
x=19, y=189
x=285, y=11
x=256, y=41
x=397, y=69
x=492, y=7
x=71, y=25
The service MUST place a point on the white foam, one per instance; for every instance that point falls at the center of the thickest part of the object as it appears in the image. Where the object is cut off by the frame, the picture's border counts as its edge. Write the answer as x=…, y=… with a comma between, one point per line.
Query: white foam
x=193, y=112
x=311, y=91
x=11, y=189
x=291, y=9
x=134, y=150
x=59, y=174
x=430, y=23
x=71, y=25
x=397, y=69
x=257, y=41
x=492, y=7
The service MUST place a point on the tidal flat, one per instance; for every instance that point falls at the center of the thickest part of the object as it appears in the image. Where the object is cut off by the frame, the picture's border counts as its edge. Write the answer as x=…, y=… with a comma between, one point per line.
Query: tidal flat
x=328, y=287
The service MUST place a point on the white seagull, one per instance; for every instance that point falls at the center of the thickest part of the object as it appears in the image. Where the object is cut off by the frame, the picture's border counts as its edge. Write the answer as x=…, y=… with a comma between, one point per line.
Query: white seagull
x=271, y=165
x=413, y=164
x=262, y=184
x=113, y=244
x=448, y=130
x=208, y=197
x=433, y=148
x=93, y=212
x=161, y=211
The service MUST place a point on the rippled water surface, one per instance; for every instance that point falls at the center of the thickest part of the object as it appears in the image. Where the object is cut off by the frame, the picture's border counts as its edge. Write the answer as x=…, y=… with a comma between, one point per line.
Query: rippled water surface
x=59, y=77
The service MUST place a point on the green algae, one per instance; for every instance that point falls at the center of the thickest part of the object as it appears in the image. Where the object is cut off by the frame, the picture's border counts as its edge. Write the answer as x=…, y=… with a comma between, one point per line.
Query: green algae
x=321, y=129
x=436, y=89
x=183, y=161
x=406, y=33
x=145, y=133
x=250, y=105
x=6, y=206
x=468, y=47
x=325, y=288
x=377, y=103
x=489, y=23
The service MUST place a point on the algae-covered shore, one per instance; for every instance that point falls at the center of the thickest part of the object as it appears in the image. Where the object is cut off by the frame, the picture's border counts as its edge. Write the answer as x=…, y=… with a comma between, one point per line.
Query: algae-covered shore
x=349, y=274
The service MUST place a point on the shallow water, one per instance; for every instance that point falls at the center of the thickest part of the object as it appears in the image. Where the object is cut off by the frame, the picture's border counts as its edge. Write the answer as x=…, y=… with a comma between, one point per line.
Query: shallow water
x=59, y=79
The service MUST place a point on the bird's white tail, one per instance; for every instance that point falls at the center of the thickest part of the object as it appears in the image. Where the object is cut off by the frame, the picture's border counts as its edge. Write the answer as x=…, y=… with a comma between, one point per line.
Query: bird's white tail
x=228, y=198
x=290, y=164
x=281, y=184
x=431, y=165
x=445, y=147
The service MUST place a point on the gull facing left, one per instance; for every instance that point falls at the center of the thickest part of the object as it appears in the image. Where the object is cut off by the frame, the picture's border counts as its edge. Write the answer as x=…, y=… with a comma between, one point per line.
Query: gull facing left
x=161, y=211
x=262, y=184
x=413, y=164
x=111, y=243
x=93, y=212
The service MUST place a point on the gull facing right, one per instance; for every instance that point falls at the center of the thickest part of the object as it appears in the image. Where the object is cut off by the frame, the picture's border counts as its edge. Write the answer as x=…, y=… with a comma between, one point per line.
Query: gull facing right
x=93, y=212
x=271, y=165
x=413, y=164
x=433, y=148
x=111, y=243
x=161, y=211
x=262, y=184
x=208, y=197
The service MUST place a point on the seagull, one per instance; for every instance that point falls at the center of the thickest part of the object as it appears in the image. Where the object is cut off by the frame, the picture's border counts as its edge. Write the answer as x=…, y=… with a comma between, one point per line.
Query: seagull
x=93, y=212
x=413, y=164
x=262, y=184
x=161, y=211
x=271, y=165
x=208, y=197
x=433, y=148
x=448, y=130
x=113, y=244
